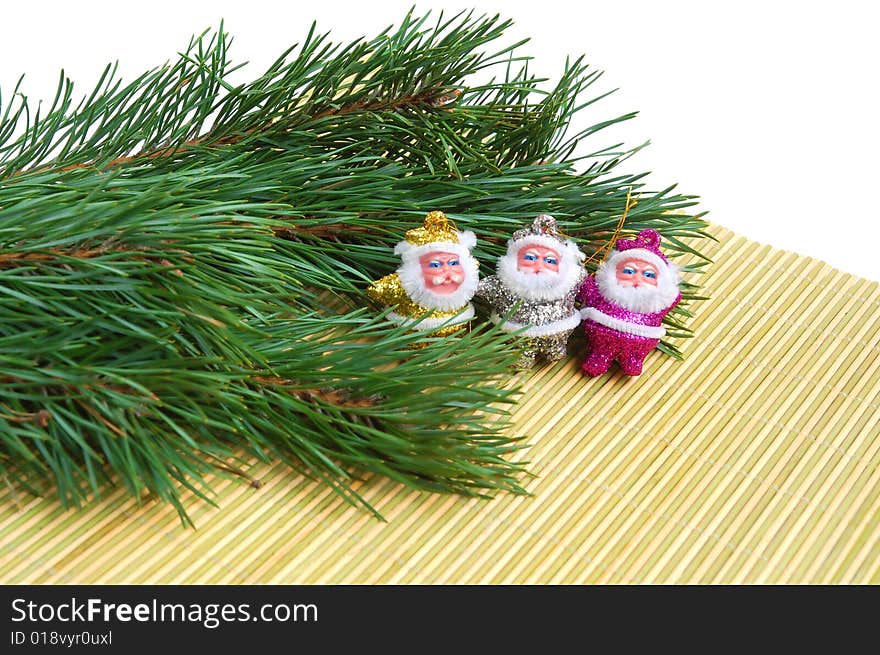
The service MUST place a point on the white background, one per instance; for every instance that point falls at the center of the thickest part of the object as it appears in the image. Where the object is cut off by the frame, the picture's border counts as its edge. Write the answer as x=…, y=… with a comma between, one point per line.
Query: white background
x=767, y=110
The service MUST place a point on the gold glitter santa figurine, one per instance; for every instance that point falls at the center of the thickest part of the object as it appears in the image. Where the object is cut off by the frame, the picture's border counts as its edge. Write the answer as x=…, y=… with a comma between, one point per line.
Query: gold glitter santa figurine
x=432, y=289
x=537, y=281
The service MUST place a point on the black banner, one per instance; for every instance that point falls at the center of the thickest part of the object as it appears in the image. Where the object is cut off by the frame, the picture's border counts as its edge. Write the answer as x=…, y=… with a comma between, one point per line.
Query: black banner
x=459, y=619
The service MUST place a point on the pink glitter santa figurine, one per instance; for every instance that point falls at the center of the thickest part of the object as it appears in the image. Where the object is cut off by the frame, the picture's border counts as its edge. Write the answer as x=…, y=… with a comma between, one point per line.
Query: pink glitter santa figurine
x=624, y=304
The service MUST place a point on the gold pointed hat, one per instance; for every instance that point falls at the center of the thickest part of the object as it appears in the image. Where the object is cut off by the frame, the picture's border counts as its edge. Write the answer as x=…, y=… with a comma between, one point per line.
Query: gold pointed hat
x=437, y=230
x=437, y=227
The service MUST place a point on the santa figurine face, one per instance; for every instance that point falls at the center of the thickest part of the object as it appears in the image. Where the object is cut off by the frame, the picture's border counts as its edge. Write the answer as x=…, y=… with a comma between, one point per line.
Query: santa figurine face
x=537, y=259
x=633, y=272
x=442, y=272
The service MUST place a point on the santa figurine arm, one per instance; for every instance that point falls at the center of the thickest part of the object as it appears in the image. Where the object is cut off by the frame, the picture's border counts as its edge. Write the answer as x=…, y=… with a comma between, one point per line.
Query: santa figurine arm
x=588, y=293
x=487, y=289
x=386, y=290
x=581, y=278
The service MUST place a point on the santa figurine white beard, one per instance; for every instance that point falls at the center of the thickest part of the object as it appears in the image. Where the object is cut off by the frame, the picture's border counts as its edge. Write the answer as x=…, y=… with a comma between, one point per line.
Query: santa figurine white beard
x=545, y=286
x=625, y=302
x=421, y=287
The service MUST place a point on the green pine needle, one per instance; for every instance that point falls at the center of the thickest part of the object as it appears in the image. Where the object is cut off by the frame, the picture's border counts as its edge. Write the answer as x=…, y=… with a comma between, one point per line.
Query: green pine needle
x=183, y=260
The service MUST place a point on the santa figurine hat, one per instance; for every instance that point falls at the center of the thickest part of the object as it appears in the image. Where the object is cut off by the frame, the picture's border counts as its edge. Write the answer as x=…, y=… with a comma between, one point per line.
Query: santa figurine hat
x=437, y=234
x=646, y=246
x=544, y=232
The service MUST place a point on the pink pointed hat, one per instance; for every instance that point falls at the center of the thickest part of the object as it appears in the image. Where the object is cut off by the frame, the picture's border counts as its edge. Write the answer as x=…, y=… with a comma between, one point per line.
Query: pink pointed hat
x=645, y=246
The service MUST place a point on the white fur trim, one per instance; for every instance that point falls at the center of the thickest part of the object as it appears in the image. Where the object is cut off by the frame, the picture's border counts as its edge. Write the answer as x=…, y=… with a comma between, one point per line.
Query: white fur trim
x=568, y=246
x=466, y=241
x=413, y=283
x=646, y=255
x=638, y=253
x=593, y=314
x=467, y=238
x=543, y=286
x=544, y=330
x=645, y=299
x=429, y=323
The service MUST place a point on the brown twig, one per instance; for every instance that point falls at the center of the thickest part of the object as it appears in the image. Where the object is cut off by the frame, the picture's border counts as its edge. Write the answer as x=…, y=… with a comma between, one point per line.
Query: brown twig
x=40, y=417
x=75, y=387
x=426, y=98
x=91, y=410
x=332, y=397
x=320, y=231
x=12, y=259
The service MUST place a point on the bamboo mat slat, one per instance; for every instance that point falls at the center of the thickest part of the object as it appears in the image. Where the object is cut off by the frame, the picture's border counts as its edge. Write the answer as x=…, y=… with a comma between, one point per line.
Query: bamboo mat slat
x=754, y=460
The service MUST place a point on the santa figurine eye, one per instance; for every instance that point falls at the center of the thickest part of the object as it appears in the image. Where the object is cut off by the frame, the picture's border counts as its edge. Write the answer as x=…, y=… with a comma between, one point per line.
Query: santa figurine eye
x=452, y=262
x=550, y=259
x=434, y=264
x=649, y=274
x=530, y=257
x=629, y=270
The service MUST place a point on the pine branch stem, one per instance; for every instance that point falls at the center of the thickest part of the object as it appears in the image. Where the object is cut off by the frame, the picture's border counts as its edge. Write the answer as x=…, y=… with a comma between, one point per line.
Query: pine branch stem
x=40, y=417
x=9, y=260
x=431, y=97
x=334, y=397
x=327, y=231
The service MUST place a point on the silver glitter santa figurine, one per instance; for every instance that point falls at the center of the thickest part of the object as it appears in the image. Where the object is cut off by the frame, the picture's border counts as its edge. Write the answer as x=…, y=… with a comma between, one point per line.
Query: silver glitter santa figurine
x=541, y=273
x=624, y=304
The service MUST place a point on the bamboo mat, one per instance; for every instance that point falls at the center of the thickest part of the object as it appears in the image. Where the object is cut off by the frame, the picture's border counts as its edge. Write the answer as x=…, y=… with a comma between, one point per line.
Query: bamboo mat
x=753, y=461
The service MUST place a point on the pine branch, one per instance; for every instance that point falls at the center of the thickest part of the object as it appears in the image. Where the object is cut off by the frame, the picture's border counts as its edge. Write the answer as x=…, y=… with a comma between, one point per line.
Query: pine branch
x=181, y=260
